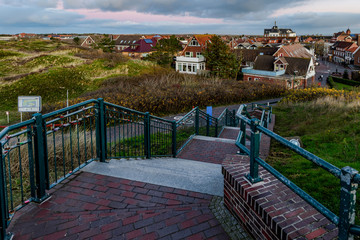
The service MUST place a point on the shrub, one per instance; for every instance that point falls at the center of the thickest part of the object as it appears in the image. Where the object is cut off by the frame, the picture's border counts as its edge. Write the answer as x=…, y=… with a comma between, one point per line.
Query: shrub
x=170, y=92
x=346, y=81
x=309, y=94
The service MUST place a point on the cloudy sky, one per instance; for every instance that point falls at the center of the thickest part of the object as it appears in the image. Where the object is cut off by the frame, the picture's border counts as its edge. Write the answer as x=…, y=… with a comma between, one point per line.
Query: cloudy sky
x=178, y=16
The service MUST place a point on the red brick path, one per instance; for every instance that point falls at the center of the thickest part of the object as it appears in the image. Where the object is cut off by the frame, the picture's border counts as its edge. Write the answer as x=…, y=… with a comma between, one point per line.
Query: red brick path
x=207, y=151
x=90, y=206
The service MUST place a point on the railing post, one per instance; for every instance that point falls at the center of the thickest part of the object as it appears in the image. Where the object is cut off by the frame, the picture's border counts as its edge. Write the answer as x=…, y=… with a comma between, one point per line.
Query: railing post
x=233, y=118
x=41, y=161
x=174, y=147
x=243, y=137
x=216, y=128
x=226, y=117
x=207, y=125
x=254, y=152
x=147, y=135
x=100, y=132
x=197, y=121
x=4, y=214
x=347, y=202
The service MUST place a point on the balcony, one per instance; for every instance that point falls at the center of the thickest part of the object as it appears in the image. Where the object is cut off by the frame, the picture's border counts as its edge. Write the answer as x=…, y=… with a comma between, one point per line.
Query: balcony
x=250, y=70
x=190, y=59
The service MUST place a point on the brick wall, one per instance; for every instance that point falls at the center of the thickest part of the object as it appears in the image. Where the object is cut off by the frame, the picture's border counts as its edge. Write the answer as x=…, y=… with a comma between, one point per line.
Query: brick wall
x=269, y=209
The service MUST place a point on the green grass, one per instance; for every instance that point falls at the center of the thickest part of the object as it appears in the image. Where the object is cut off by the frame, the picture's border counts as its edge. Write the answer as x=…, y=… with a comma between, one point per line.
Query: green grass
x=329, y=129
x=341, y=86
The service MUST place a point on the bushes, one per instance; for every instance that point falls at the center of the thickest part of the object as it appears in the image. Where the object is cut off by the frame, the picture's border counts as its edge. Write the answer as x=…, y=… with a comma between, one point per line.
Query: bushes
x=346, y=81
x=170, y=92
x=331, y=82
x=309, y=94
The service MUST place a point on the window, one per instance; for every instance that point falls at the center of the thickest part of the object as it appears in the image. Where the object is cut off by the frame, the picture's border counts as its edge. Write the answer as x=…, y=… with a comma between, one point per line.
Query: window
x=121, y=41
x=194, y=68
x=198, y=54
x=194, y=43
x=249, y=78
x=256, y=79
x=188, y=54
x=179, y=66
x=184, y=67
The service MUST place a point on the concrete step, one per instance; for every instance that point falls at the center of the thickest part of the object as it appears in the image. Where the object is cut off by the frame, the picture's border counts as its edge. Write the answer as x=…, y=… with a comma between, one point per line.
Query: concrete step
x=179, y=173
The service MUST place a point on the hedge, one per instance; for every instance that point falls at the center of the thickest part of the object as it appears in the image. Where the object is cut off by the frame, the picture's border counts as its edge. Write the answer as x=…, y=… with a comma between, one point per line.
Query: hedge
x=345, y=81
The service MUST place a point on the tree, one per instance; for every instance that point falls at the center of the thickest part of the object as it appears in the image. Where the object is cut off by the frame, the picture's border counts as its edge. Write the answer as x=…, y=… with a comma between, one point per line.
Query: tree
x=76, y=40
x=166, y=49
x=219, y=59
x=319, y=48
x=106, y=44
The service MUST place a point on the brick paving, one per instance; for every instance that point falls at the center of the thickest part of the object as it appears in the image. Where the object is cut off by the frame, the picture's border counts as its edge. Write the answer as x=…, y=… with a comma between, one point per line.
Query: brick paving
x=229, y=133
x=91, y=206
x=207, y=151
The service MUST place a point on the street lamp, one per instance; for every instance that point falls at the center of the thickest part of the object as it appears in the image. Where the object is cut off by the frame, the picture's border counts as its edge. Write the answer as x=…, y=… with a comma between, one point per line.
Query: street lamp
x=295, y=74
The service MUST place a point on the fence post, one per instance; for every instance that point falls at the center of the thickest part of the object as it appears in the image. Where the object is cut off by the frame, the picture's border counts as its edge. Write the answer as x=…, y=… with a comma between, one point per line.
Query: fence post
x=207, y=125
x=233, y=118
x=100, y=132
x=174, y=147
x=147, y=135
x=41, y=161
x=347, y=202
x=254, y=152
x=197, y=121
x=216, y=127
x=243, y=137
x=4, y=214
x=226, y=117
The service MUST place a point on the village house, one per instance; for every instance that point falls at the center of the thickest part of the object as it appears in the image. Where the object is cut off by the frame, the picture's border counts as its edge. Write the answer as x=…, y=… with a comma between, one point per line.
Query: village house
x=275, y=31
x=248, y=56
x=122, y=42
x=190, y=60
x=356, y=56
x=293, y=50
x=291, y=72
x=140, y=48
x=342, y=52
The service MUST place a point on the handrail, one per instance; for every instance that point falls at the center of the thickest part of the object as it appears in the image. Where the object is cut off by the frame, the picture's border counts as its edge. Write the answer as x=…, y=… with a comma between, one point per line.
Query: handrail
x=186, y=116
x=16, y=126
x=54, y=113
x=349, y=177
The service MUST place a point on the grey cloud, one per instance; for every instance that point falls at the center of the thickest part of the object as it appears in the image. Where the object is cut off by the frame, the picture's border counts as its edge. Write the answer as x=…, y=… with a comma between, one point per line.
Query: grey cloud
x=31, y=3
x=201, y=8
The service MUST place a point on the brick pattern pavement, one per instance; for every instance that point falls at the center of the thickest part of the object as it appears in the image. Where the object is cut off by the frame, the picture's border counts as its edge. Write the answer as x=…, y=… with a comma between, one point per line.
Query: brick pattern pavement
x=90, y=206
x=229, y=133
x=207, y=151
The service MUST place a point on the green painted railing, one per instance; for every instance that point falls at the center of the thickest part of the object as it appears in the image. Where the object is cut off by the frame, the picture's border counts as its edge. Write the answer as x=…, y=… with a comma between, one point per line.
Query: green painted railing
x=349, y=177
x=39, y=153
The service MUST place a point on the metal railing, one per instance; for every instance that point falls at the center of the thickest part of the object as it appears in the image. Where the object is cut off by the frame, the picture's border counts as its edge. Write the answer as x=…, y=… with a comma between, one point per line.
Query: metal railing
x=349, y=177
x=39, y=153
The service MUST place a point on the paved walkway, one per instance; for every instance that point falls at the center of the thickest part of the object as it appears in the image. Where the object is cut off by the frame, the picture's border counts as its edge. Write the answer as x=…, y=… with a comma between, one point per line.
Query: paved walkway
x=92, y=206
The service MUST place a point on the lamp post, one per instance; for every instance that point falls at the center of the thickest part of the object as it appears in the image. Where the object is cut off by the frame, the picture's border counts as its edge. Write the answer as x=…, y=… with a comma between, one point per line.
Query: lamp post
x=295, y=74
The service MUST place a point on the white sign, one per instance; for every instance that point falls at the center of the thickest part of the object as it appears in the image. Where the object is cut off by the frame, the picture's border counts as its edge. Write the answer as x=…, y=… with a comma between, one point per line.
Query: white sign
x=29, y=104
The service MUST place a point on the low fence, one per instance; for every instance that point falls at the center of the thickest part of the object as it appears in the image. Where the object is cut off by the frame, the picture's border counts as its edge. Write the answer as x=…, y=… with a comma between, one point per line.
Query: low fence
x=349, y=178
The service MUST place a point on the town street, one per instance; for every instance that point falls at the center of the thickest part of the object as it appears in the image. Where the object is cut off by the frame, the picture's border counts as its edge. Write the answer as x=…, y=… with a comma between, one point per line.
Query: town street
x=325, y=68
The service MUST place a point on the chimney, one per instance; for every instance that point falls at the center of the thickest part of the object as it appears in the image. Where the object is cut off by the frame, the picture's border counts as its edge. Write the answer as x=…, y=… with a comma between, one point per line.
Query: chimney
x=358, y=40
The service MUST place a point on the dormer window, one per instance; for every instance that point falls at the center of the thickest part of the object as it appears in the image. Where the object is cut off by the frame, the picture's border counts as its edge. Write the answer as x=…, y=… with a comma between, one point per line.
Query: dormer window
x=193, y=43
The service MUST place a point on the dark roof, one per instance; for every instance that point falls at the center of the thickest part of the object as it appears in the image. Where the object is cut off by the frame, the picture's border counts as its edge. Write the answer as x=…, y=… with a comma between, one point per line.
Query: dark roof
x=300, y=65
x=141, y=46
x=342, y=44
x=127, y=39
x=264, y=62
x=249, y=55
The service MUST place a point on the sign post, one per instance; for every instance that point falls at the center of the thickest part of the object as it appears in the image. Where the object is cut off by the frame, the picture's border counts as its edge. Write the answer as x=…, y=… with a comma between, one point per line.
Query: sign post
x=29, y=104
x=7, y=115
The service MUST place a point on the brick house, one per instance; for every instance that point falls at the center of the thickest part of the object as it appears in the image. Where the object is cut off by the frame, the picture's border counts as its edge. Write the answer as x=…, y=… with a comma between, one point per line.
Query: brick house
x=124, y=41
x=190, y=60
x=356, y=55
x=338, y=51
x=293, y=50
x=141, y=48
x=291, y=72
